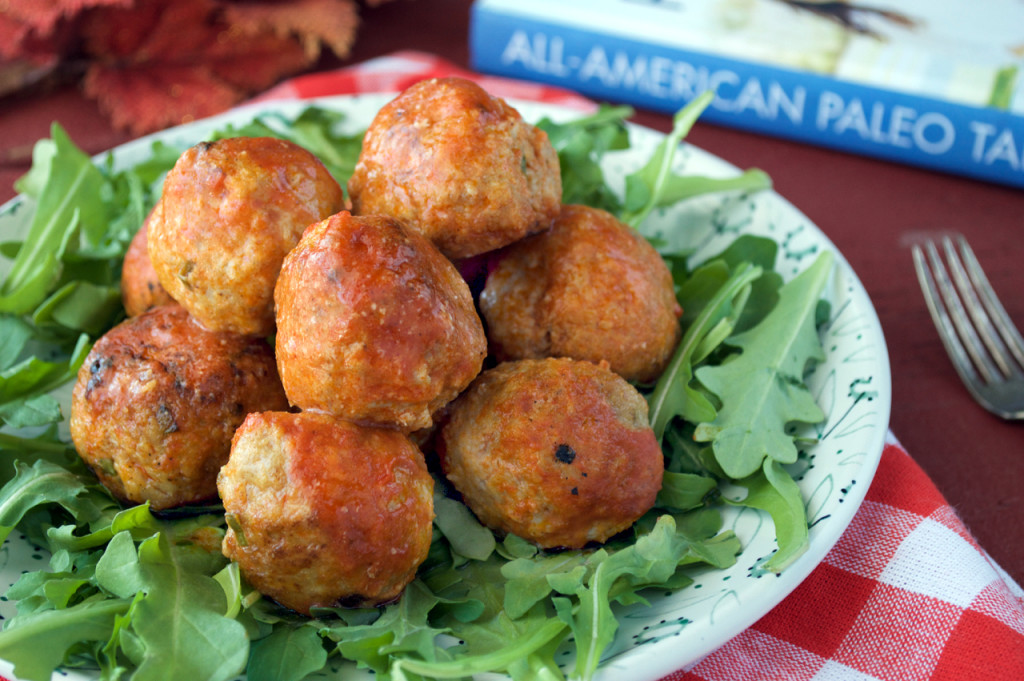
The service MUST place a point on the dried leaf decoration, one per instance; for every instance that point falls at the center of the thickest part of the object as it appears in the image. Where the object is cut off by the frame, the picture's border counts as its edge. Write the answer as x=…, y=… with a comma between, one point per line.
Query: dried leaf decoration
x=314, y=22
x=151, y=64
x=33, y=26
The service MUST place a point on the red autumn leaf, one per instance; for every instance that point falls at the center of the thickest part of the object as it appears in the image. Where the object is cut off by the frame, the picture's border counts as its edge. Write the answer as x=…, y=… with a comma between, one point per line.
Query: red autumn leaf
x=155, y=63
x=166, y=30
x=154, y=96
x=313, y=22
x=162, y=62
x=41, y=30
x=255, y=62
x=41, y=16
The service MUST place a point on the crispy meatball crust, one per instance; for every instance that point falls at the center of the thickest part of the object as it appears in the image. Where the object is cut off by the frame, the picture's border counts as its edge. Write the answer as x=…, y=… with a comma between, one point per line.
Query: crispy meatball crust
x=232, y=209
x=158, y=399
x=324, y=512
x=556, y=451
x=590, y=288
x=374, y=324
x=140, y=287
x=458, y=165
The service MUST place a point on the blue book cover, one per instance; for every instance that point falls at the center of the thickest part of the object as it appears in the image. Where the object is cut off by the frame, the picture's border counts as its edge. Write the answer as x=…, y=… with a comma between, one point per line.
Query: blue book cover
x=937, y=84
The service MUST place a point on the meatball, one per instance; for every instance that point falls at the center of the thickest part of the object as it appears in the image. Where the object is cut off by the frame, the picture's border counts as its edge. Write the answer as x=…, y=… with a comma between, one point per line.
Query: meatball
x=374, y=324
x=556, y=451
x=324, y=512
x=140, y=288
x=458, y=165
x=158, y=399
x=232, y=209
x=589, y=288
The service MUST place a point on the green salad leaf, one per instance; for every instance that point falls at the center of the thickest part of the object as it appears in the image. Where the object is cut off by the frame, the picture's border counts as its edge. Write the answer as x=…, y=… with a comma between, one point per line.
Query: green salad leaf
x=40, y=483
x=761, y=389
x=582, y=144
x=65, y=183
x=773, y=490
x=656, y=185
x=180, y=622
x=652, y=560
x=38, y=643
x=674, y=394
x=287, y=654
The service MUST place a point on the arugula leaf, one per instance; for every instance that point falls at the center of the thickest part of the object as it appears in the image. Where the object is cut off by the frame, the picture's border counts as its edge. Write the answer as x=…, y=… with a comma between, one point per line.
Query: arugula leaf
x=403, y=627
x=67, y=200
x=37, y=643
x=162, y=158
x=530, y=580
x=519, y=658
x=180, y=622
x=656, y=185
x=581, y=145
x=16, y=334
x=492, y=640
x=589, y=581
x=81, y=306
x=290, y=653
x=45, y=446
x=110, y=655
x=761, y=390
x=772, y=489
x=38, y=591
x=764, y=291
x=34, y=376
x=684, y=491
x=136, y=521
x=41, y=483
x=653, y=559
x=465, y=534
x=31, y=184
x=33, y=411
x=24, y=388
x=673, y=396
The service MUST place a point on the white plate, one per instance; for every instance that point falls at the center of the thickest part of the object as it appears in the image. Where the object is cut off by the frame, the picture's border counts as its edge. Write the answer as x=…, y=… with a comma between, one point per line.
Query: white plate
x=852, y=386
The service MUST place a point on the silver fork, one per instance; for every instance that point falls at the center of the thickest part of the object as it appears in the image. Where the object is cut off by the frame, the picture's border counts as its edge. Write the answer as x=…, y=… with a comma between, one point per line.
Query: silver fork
x=986, y=349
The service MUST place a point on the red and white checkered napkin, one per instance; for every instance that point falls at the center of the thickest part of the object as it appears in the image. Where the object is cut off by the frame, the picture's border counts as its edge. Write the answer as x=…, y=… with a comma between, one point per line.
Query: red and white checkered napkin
x=399, y=70
x=906, y=593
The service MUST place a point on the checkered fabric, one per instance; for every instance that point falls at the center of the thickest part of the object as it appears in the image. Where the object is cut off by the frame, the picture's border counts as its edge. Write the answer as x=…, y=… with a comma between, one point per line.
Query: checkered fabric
x=399, y=70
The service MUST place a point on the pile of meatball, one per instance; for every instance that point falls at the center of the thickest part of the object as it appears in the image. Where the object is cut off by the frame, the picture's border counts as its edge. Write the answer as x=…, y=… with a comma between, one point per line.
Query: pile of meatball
x=309, y=360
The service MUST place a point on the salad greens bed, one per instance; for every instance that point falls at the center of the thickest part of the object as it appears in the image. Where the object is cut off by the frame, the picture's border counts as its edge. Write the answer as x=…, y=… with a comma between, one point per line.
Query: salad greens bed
x=137, y=595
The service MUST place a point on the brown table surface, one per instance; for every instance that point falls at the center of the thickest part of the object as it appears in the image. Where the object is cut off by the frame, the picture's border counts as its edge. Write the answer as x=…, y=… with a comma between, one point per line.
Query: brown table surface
x=870, y=209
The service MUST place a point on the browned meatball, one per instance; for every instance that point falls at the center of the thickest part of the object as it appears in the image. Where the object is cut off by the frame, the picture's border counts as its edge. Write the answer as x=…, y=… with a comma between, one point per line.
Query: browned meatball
x=325, y=512
x=374, y=324
x=589, y=288
x=158, y=399
x=459, y=166
x=140, y=288
x=232, y=209
x=556, y=451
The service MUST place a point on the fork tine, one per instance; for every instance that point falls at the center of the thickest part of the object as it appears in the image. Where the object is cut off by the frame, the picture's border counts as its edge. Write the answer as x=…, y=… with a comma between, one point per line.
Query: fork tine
x=944, y=325
x=983, y=324
x=961, y=341
x=997, y=313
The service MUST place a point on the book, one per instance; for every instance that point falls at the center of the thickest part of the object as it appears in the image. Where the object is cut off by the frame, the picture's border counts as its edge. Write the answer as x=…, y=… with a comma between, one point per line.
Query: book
x=933, y=83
